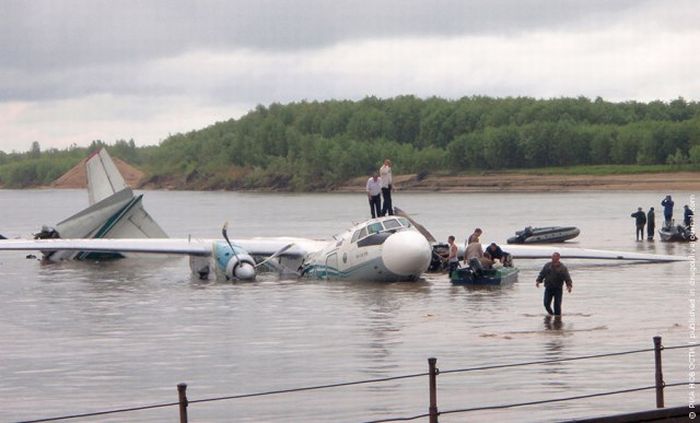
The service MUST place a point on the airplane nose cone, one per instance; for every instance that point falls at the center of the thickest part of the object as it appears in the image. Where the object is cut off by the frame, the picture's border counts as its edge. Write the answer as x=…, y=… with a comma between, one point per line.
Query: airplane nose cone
x=245, y=271
x=406, y=253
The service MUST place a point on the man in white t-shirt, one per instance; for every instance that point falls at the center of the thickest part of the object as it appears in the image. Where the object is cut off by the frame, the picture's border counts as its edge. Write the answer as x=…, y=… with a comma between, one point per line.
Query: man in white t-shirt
x=385, y=175
x=374, y=189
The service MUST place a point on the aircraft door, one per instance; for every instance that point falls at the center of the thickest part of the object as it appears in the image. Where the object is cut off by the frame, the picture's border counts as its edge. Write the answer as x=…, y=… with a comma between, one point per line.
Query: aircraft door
x=331, y=269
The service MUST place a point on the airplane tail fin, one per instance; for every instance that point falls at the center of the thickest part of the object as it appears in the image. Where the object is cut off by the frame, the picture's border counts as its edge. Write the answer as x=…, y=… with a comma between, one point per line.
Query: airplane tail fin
x=103, y=177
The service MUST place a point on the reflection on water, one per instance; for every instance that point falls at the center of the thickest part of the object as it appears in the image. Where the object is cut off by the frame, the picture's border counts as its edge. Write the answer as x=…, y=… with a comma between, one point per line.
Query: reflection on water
x=553, y=323
x=86, y=336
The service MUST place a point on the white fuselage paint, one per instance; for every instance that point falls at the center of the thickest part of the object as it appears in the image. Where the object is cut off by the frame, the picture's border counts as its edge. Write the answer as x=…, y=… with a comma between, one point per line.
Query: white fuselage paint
x=391, y=251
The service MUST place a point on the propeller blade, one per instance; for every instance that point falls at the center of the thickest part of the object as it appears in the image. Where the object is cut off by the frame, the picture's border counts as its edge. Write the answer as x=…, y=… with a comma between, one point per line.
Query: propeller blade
x=224, y=232
x=275, y=254
x=418, y=226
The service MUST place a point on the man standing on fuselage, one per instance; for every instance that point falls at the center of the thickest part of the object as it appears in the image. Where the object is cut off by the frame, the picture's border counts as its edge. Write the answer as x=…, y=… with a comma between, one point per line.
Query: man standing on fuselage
x=374, y=189
x=554, y=274
x=385, y=175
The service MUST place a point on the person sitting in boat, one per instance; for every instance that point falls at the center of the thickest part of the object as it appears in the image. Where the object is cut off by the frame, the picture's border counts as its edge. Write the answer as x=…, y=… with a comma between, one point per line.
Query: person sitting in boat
x=687, y=216
x=476, y=251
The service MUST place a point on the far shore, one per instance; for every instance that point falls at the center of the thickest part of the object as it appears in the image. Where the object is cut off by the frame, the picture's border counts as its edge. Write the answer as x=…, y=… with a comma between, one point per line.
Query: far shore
x=526, y=182
x=484, y=182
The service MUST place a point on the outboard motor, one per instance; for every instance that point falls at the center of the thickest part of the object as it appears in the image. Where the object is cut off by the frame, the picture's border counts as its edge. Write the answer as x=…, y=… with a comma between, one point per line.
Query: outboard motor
x=475, y=266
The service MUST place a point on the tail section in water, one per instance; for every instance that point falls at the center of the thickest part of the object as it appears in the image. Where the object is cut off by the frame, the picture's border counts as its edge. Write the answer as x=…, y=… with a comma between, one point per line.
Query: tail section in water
x=114, y=211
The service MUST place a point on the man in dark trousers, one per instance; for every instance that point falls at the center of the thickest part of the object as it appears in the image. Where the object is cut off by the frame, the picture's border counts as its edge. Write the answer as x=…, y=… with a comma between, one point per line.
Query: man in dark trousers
x=651, y=224
x=554, y=274
x=687, y=216
x=668, y=210
x=374, y=189
x=385, y=175
x=640, y=221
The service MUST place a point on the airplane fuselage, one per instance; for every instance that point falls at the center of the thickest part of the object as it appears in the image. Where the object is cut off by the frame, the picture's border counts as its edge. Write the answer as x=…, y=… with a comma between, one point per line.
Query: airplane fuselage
x=385, y=249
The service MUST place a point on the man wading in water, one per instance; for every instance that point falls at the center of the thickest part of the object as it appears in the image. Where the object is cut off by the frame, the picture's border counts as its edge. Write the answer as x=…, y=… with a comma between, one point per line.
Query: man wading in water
x=554, y=274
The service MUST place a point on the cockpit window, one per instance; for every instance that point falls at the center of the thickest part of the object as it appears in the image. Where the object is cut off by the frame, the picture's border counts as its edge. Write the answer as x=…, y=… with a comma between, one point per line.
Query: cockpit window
x=404, y=222
x=374, y=228
x=355, y=236
x=363, y=233
x=392, y=224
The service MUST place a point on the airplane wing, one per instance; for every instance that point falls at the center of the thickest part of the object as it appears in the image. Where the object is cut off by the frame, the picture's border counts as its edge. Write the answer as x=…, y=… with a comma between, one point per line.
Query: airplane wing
x=268, y=246
x=200, y=247
x=157, y=246
x=534, y=252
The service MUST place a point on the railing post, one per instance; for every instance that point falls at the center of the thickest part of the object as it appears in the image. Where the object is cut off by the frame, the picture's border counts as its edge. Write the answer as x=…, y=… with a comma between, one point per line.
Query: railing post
x=182, y=398
x=432, y=374
x=659, y=372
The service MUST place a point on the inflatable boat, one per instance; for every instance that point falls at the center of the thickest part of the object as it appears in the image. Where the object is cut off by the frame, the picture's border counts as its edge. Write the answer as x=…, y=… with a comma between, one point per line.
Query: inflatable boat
x=677, y=233
x=549, y=234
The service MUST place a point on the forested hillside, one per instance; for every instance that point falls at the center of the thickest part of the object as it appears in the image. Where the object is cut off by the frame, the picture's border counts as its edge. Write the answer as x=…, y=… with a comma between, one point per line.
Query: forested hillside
x=317, y=145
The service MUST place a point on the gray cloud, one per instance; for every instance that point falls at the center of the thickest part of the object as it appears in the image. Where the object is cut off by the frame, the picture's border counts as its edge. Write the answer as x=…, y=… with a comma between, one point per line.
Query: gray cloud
x=73, y=71
x=70, y=33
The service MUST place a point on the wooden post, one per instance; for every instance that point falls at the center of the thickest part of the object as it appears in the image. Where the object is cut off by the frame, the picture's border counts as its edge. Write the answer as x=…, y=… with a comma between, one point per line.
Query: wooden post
x=432, y=374
x=182, y=398
x=659, y=372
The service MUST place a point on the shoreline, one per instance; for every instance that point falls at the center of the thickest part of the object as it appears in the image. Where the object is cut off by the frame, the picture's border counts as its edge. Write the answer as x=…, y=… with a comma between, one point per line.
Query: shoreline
x=485, y=182
x=526, y=182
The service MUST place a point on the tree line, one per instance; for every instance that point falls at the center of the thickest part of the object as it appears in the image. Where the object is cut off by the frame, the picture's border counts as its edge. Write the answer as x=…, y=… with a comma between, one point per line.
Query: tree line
x=318, y=145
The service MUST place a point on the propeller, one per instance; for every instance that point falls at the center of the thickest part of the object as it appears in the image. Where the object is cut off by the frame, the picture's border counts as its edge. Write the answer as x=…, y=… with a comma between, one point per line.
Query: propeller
x=421, y=228
x=284, y=271
x=275, y=254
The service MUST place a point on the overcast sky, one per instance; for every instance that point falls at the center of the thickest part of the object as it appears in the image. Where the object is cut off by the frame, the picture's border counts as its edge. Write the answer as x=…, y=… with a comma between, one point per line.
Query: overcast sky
x=75, y=71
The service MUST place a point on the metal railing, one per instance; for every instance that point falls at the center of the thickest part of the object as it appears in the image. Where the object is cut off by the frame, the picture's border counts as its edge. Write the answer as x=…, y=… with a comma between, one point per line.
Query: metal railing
x=433, y=372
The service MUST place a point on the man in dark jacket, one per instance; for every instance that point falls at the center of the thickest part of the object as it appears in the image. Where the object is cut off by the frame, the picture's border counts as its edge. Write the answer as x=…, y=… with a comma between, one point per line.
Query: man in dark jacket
x=668, y=210
x=651, y=224
x=687, y=216
x=640, y=221
x=554, y=274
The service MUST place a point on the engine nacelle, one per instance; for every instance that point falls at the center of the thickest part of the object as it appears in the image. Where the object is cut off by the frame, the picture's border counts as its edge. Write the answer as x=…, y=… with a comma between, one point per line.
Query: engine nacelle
x=234, y=264
x=241, y=267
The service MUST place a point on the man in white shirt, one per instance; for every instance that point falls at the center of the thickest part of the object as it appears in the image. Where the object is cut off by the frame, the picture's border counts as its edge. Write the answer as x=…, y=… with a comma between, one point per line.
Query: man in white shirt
x=385, y=174
x=374, y=189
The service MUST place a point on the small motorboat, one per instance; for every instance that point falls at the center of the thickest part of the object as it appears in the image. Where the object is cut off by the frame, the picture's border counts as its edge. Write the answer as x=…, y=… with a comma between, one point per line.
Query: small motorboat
x=497, y=276
x=548, y=234
x=677, y=233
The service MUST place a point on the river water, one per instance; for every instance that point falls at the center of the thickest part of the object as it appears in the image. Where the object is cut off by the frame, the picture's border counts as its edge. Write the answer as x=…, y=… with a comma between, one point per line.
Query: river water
x=84, y=337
